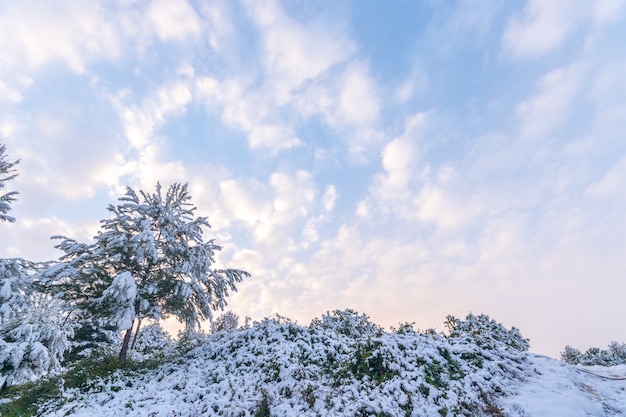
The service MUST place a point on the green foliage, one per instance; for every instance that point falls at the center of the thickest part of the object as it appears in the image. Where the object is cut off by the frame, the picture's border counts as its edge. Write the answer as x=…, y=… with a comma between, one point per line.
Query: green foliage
x=309, y=395
x=26, y=398
x=264, y=406
x=369, y=361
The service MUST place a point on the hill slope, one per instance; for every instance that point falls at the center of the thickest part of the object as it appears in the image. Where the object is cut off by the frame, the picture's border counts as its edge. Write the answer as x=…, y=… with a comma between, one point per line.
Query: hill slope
x=343, y=365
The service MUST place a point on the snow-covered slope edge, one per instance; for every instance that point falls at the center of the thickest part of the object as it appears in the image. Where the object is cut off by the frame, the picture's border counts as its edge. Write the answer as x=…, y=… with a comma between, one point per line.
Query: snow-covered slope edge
x=562, y=390
x=343, y=365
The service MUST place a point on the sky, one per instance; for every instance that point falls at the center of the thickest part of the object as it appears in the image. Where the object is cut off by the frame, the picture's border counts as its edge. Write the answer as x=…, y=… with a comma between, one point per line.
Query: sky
x=406, y=159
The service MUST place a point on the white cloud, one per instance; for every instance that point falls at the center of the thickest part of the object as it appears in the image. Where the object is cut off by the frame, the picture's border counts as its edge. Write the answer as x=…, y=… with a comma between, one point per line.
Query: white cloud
x=9, y=127
x=37, y=232
x=9, y=94
x=274, y=137
x=447, y=208
x=548, y=109
x=543, y=26
x=298, y=61
x=294, y=52
x=329, y=198
x=174, y=19
x=358, y=102
x=458, y=217
x=219, y=23
x=141, y=121
x=608, y=10
x=612, y=183
x=292, y=194
x=398, y=160
x=58, y=158
x=49, y=31
x=207, y=89
x=475, y=14
x=245, y=202
x=271, y=212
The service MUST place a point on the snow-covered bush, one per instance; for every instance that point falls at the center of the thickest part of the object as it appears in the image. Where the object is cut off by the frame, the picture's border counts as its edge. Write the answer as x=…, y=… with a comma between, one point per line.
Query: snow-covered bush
x=191, y=338
x=571, y=355
x=614, y=355
x=348, y=322
x=152, y=341
x=226, y=321
x=485, y=332
x=277, y=367
x=33, y=342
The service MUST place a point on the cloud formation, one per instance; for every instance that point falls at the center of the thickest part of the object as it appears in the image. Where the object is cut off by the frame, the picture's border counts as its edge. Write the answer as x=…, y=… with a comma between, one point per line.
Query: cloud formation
x=473, y=161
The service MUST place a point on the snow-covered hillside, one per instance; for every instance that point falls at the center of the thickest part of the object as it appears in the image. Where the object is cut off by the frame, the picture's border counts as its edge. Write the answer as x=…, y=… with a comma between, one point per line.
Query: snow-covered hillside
x=343, y=365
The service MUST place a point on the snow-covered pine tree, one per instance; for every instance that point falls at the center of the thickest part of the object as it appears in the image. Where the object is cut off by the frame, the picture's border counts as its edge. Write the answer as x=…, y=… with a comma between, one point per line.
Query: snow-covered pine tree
x=15, y=287
x=149, y=261
x=34, y=332
x=6, y=173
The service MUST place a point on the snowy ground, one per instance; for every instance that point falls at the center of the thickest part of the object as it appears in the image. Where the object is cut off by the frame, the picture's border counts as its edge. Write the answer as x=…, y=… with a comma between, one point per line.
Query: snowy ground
x=282, y=369
x=563, y=390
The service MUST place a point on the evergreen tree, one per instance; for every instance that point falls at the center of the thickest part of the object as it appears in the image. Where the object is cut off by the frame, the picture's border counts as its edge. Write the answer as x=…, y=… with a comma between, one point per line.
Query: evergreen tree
x=15, y=287
x=148, y=261
x=227, y=321
x=6, y=173
x=34, y=333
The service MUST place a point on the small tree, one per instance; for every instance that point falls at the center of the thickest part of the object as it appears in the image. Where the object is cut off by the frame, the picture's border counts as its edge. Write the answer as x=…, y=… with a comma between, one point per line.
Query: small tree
x=149, y=261
x=227, y=321
x=6, y=173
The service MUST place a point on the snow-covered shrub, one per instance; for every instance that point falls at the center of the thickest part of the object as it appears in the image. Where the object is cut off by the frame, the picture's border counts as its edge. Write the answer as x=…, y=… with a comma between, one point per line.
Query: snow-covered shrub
x=614, y=355
x=618, y=351
x=32, y=343
x=153, y=341
x=348, y=322
x=485, y=332
x=277, y=367
x=190, y=338
x=226, y=321
x=571, y=355
x=405, y=327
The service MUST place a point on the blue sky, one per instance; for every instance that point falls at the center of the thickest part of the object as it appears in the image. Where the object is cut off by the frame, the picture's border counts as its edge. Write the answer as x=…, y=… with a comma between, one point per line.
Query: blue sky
x=407, y=159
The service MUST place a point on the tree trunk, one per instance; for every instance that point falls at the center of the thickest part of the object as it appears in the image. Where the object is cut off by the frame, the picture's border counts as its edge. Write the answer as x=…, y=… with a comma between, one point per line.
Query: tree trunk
x=125, y=343
x=132, y=347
